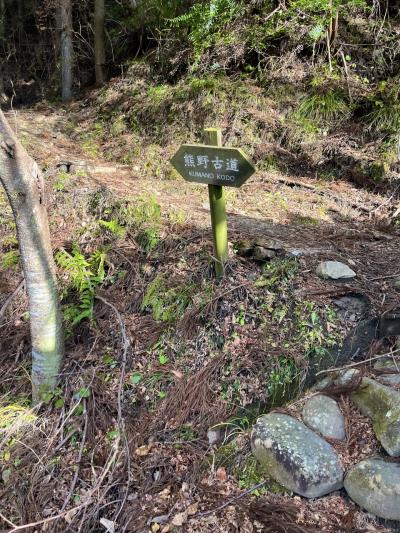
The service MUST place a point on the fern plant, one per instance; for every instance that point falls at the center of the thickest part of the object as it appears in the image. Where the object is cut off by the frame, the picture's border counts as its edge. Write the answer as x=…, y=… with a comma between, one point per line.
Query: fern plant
x=166, y=304
x=203, y=20
x=84, y=276
x=113, y=227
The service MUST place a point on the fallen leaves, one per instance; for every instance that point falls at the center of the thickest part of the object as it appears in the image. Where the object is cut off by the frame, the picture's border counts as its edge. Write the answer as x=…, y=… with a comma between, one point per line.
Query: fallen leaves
x=181, y=518
x=144, y=450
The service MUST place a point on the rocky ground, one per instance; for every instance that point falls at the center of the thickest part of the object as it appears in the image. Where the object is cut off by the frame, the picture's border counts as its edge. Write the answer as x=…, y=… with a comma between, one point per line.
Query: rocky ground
x=152, y=427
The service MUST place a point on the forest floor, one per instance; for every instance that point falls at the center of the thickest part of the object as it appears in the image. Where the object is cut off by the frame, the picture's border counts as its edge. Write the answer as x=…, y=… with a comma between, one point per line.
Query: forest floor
x=153, y=375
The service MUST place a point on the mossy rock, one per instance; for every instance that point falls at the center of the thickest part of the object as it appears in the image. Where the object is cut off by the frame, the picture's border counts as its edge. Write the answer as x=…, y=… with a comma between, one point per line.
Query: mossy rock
x=375, y=485
x=382, y=405
x=295, y=456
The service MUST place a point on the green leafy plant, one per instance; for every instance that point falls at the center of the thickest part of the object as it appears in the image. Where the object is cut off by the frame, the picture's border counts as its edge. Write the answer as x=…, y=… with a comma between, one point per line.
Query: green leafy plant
x=277, y=272
x=10, y=259
x=204, y=20
x=324, y=107
x=61, y=181
x=113, y=227
x=312, y=335
x=249, y=476
x=166, y=304
x=385, y=114
x=282, y=380
x=144, y=217
x=84, y=276
x=135, y=378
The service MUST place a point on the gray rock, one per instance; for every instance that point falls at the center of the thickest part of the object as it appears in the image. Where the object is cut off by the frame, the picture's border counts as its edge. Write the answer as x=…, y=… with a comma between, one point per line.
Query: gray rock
x=335, y=270
x=270, y=244
x=296, y=252
x=382, y=405
x=214, y=435
x=375, y=485
x=343, y=378
x=396, y=283
x=351, y=305
x=392, y=380
x=387, y=363
x=321, y=385
x=348, y=376
x=244, y=248
x=295, y=456
x=322, y=414
x=263, y=254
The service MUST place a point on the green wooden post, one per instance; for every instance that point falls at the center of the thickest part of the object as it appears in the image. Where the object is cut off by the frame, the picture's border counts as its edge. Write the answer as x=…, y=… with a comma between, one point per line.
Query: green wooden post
x=213, y=137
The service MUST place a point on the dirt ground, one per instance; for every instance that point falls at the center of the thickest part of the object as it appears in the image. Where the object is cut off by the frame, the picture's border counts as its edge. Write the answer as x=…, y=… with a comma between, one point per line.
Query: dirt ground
x=138, y=459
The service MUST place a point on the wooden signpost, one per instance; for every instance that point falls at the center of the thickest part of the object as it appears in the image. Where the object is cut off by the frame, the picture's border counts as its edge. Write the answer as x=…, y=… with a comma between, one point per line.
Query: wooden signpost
x=215, y=165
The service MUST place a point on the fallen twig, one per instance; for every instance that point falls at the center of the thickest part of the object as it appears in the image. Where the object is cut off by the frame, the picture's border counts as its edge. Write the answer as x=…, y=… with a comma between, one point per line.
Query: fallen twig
x=384, y=277
x=76, y=475
x=121, y=421
x=12, y=296
x=329, y=370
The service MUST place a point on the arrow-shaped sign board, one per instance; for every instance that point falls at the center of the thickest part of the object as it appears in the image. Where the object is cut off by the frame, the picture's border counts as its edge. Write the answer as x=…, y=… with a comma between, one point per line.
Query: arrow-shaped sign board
x=213, y=165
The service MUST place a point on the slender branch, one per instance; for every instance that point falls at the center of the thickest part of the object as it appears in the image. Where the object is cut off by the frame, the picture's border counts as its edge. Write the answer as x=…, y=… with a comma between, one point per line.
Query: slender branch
x=384, y=277
x=76, y=475
x=329, y=370
x=12, y=296
x=121, y=421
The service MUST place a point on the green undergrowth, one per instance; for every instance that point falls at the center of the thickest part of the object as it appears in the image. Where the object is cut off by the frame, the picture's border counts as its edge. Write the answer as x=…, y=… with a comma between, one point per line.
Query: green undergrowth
x=108, y=221
x=167, y=304
x=296, y=337
x=160, y=117
x=286, y=76
x=235, y=457
x=84, y=274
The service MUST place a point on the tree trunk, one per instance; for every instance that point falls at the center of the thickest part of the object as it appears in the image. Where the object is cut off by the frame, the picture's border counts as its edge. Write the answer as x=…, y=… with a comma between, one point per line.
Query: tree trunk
x=2, y=18
x=99, y=42
x=66, y=49
x=24, y=186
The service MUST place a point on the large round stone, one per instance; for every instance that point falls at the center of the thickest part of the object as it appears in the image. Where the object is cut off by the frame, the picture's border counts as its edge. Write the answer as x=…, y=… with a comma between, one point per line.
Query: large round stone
x=375, y=485
x=323, y=414
x=296, y=457
x=382, y=405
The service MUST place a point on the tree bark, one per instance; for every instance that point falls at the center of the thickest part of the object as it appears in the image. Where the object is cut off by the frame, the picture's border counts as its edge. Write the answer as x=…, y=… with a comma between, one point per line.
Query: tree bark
x=24, y=186
x=66, y=50
x=99, y=42
x=2, y=18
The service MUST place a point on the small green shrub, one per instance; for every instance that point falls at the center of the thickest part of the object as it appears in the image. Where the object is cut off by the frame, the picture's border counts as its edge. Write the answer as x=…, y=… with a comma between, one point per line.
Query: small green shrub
x=324, y=107
x=61, y=181
x=144, y=217
x=205, y=21
x=84, y=276
x=385, y=114
x=166, y=304
x=283, y=381
x=148, y=238
x=277, y=272
x=113, y=227
x=143, y=211
x=10, y=259
x=312, y=333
